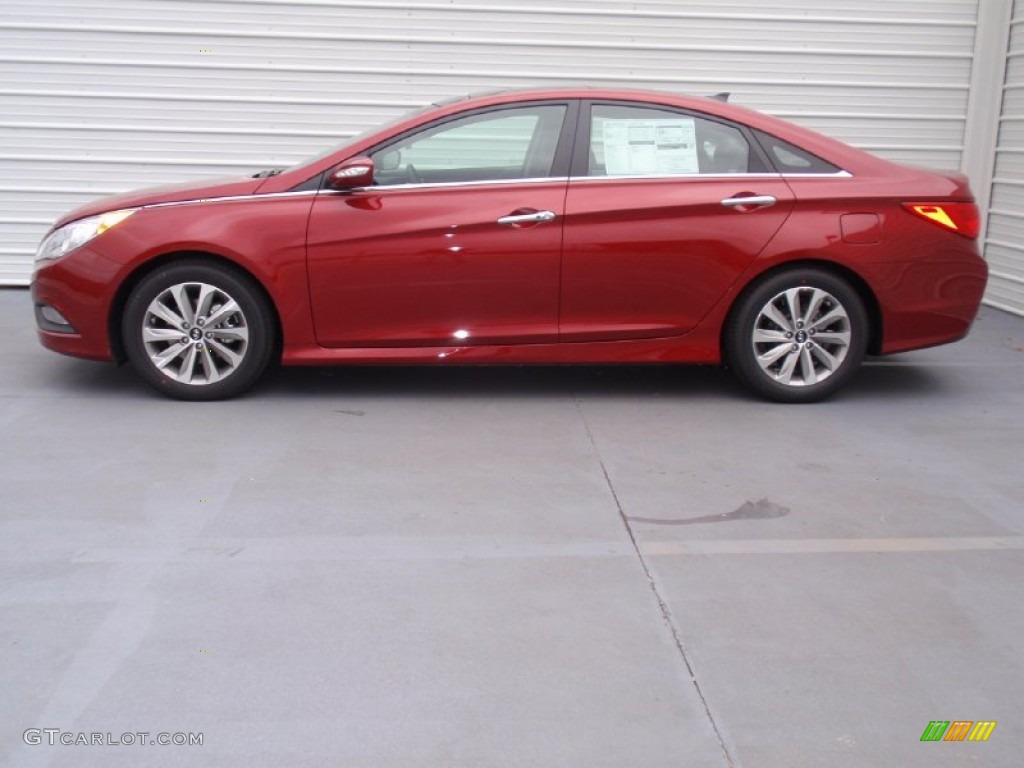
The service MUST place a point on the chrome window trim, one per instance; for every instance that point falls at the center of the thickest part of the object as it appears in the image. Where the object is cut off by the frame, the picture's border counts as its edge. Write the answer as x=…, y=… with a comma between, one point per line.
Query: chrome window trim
x=714, y=176
x=677, y=176
x=447, y=184
x=836, y=175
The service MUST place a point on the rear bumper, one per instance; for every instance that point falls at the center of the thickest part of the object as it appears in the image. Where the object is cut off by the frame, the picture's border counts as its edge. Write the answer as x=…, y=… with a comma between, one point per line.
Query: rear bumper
x=928, y=302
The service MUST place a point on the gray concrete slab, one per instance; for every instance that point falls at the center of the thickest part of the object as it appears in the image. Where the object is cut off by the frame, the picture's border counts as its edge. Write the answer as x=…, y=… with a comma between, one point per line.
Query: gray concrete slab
x=512, y=567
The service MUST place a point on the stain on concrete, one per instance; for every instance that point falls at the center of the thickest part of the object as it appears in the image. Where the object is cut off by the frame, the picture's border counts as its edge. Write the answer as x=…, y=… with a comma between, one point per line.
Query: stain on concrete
x=751, y=510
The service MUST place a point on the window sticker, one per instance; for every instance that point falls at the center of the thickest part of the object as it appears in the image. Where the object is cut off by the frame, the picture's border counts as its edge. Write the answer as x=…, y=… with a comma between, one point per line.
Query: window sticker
x=650, y=146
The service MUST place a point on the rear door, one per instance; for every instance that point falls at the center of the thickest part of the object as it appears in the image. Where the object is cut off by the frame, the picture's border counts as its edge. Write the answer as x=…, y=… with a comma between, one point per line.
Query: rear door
x=665, y=209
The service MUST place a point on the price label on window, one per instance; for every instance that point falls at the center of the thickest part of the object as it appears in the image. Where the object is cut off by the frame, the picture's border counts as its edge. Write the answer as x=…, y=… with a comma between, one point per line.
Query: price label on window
x=633, y=147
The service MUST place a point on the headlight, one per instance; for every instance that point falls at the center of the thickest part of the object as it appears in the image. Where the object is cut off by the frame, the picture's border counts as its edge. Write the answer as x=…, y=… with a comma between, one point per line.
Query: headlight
x=78, y=233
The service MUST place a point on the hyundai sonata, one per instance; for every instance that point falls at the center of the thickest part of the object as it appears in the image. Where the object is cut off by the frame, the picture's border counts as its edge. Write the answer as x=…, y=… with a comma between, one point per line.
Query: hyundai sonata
x=554, y=226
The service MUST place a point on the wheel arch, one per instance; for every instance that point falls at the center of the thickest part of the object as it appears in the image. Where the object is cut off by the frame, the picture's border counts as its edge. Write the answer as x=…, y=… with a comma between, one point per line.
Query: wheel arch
x=115, y=317
x=867, y=296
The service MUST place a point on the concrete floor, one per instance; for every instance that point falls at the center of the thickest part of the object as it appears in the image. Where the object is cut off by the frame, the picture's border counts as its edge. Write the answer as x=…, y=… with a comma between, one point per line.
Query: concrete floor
x=525, y=567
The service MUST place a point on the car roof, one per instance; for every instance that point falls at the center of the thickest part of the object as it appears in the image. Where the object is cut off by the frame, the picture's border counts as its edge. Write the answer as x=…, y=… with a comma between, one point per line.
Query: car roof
x=826, y=147
x=502, y=95
x=829, y=149
x=706, y=104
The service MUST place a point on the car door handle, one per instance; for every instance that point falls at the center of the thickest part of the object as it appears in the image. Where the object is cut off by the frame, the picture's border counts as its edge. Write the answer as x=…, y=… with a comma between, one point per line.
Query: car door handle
x=536, y=217
x=754, y=201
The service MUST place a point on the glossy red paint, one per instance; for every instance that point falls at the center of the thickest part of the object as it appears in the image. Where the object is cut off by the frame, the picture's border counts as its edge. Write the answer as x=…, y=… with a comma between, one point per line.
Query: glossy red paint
x=417, y=266
x=861, y=228
x=628, y=270
x=263, y=235
x=624, y=274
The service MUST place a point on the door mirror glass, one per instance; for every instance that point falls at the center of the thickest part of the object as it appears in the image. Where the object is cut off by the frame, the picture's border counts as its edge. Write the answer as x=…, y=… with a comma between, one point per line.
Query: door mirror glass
x=357, y=172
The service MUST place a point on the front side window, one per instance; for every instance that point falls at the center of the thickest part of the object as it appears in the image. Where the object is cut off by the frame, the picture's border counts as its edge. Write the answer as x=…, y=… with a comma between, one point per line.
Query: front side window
x=514, y=143
x=642, y=141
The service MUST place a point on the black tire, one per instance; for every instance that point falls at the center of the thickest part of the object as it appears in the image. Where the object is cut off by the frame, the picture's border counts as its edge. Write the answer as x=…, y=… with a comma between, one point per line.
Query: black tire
x=788, y=363
x=221, y=359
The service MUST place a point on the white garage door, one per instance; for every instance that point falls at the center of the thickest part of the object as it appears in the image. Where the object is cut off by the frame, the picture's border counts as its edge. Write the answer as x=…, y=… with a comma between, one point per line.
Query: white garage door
x=1004, y=243
x=100, y=96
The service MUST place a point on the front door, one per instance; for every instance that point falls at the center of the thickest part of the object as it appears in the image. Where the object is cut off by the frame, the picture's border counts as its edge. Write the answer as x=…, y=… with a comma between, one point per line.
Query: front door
x=457, y=242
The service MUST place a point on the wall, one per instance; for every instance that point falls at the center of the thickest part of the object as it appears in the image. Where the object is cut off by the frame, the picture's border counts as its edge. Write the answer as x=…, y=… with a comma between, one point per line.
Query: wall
x=100, y=96
x=1004, y=241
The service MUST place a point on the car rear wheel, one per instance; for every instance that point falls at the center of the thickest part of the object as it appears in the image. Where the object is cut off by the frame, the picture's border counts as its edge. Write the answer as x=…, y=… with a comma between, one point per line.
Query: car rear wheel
x=198, y=331
x=798, y=336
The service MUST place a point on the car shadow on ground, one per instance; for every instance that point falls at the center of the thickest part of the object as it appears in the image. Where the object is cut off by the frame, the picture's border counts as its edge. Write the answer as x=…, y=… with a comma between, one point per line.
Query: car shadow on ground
x=689, y=382
x=877, y=380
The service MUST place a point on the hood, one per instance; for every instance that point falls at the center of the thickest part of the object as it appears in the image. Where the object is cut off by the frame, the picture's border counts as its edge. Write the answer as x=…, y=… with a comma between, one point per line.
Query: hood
x=170, y=193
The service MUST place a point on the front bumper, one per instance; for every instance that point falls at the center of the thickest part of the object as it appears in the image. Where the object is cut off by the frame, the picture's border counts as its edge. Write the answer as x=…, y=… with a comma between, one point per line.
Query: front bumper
x=76, y=288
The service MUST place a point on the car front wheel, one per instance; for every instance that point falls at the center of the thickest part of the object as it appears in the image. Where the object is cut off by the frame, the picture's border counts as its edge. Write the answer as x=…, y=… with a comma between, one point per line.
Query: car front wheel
x=797, y=337
x=198, y=331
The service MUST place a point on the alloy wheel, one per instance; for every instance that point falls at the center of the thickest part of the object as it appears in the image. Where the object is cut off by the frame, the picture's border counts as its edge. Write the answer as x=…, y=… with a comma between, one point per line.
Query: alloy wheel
x=195, y=333
x=801, y=336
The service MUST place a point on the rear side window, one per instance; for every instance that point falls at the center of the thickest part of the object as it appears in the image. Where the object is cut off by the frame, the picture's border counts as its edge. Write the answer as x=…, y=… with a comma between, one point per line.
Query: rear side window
x=642, y=141
x=789, y=158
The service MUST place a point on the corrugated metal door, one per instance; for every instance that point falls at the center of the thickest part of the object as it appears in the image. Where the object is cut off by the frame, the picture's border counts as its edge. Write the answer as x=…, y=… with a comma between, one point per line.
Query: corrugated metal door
x=1004, y=243
x=100, y=96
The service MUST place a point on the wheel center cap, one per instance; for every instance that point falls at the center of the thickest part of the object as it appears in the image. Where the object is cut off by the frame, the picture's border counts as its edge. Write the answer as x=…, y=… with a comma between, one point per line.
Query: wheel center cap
x=801, y=337
x=196, y=334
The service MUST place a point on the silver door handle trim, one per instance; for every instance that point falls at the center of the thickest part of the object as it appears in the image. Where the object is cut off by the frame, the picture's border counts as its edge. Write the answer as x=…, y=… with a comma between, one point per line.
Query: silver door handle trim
x=527, y=218
x=761, y=200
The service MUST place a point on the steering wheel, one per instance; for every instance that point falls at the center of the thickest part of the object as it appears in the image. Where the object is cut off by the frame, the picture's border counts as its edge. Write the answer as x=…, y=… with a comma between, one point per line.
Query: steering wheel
x=412, y=174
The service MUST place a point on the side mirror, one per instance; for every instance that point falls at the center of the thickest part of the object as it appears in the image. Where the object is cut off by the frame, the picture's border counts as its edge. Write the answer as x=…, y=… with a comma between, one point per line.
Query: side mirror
x=357, y=172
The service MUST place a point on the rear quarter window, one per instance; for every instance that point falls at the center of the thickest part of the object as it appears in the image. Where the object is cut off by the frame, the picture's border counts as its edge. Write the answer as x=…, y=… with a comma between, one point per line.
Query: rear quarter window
x=789, y=158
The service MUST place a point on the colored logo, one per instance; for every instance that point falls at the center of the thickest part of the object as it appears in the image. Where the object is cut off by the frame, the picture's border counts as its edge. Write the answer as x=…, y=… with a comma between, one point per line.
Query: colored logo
x=958, y=730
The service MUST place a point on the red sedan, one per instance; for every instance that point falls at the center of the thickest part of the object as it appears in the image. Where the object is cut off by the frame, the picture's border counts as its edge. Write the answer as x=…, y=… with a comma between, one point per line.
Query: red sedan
x=555, y=226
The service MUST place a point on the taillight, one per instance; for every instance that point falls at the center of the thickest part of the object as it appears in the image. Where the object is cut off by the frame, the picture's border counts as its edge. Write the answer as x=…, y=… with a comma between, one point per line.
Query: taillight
x=961, y=218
